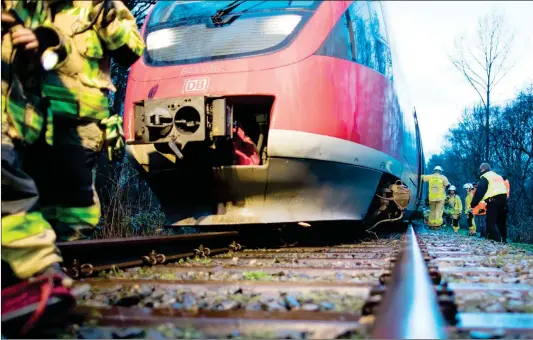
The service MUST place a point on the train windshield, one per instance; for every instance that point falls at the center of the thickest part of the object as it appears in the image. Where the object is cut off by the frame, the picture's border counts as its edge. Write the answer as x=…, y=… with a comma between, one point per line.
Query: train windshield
x=185, y=32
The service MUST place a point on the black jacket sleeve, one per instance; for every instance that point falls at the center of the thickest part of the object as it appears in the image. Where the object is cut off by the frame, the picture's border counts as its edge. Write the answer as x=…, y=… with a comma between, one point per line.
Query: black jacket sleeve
x=482, y=187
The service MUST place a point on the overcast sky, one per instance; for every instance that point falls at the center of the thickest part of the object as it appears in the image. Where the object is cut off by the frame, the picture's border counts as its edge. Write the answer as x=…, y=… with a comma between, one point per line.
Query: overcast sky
x=424, y=32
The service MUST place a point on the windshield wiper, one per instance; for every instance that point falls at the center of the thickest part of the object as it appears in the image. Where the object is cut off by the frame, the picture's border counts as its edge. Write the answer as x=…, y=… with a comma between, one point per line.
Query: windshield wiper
x=217, y=18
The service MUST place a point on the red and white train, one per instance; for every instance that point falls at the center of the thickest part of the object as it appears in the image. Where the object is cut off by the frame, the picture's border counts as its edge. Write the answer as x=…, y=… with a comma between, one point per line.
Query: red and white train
x=251, y=112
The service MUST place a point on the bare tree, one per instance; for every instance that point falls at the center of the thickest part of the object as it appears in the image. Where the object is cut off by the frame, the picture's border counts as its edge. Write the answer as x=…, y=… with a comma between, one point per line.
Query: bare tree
x=484, y=61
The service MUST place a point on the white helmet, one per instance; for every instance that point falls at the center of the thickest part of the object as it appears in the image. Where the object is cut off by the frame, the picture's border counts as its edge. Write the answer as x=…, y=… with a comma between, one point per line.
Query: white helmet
x=452, y=188
x=438, y=168
x=468, y=186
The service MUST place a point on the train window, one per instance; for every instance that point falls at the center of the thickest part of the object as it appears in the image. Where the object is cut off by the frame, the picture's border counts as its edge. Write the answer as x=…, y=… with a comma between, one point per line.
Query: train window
x=339, y=43
x=364, y=40
x=370, y=37
x=377, y=20
x=383, y=53
x=174, y=11
x=182, y=32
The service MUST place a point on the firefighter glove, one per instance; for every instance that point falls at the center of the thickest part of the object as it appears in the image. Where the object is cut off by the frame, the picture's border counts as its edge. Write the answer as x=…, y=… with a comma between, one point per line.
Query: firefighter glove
x=114, y=137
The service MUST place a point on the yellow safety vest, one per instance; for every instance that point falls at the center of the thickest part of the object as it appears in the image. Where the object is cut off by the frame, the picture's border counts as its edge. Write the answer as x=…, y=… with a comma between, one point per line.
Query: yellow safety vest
x=468, y=200
x=496, y=185
x=436, y=187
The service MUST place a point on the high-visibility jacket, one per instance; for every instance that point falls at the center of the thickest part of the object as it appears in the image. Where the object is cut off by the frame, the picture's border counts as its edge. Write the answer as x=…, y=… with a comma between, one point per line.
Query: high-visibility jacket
x=24, y=111
x=80, y=86
x=468, y=200
x=496, y=185
x=481, y=208
x=437, y=185
x=454, y=206
x=508, y=186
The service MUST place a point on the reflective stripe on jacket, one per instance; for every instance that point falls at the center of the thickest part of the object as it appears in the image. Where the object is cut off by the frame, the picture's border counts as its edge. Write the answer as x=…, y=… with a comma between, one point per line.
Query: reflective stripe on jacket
x=437, y=185
x=81, y=86
x=496, y=185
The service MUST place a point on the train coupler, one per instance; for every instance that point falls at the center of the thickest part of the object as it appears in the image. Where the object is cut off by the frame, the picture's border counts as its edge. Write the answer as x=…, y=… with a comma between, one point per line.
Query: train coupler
x=181, y=120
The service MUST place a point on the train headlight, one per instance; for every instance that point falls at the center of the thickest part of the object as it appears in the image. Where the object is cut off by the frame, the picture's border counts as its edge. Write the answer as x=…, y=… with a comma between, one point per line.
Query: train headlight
x=160, y=39
x=246, y=35
x=281, y=25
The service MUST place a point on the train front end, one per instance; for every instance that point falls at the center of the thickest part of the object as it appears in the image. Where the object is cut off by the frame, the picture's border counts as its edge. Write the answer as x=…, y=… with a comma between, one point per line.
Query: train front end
x=240, y=113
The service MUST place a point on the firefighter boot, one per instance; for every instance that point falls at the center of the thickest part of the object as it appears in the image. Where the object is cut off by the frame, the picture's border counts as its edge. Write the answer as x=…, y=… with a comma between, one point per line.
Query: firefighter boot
x=44, y=297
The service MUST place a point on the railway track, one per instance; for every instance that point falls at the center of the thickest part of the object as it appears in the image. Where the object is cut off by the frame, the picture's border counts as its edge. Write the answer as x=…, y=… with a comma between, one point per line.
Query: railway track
x=416, y=285
x=492, y=285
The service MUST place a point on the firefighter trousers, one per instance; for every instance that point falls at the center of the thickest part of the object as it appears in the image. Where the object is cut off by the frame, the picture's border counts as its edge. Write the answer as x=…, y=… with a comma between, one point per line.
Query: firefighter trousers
x=436, y=209
x=28, y=240
x=455, y=223
x=497, y=218
x=471, y=222
x=64, y=176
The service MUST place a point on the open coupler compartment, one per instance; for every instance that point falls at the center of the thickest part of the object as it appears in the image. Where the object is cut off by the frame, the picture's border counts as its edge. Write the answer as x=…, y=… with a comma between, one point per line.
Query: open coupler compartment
x=228, y=130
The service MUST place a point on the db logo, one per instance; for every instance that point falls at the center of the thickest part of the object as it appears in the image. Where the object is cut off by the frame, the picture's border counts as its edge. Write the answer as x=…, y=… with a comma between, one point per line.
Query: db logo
x=196, y=85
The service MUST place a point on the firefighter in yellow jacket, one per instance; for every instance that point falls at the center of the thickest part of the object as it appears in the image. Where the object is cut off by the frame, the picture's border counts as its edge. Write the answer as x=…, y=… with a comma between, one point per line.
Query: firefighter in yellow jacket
x=30, y=259
x=468, y=210
x=437, y=194
x=79, y=98
x=454, y=208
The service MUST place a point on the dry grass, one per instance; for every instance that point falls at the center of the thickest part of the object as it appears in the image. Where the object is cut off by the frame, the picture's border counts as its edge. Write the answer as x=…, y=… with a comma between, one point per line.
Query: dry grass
x=130, y=208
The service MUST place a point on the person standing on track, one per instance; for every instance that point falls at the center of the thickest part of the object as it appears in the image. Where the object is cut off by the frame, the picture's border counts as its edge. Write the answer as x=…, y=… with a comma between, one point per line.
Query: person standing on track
x=454, y=208
x=79, y=96
x=32, y=280
x=491, y=189
x=468, y=210
x=437, y=194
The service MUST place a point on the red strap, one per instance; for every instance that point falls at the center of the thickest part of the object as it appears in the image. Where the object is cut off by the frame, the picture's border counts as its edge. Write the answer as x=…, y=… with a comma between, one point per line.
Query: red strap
x=46, y=291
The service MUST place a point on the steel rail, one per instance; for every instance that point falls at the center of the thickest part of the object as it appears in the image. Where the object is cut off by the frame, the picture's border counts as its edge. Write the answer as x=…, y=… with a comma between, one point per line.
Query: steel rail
x=410, y=309
x=87, y=257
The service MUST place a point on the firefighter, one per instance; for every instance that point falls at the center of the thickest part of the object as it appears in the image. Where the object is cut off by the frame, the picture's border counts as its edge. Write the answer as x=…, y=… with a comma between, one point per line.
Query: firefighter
x=437, y=186
x=454, y=208
x=492, y=190
x=31, y=275
x=468, y=210
x=78, y=93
